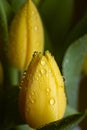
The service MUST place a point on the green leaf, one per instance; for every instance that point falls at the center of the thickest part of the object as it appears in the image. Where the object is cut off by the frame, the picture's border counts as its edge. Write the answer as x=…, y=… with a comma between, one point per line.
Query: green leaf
x=69, y=111
x=57, y=17
x=37, y=2
x=47, y=41
x=16, y=4
x=4, y=17
x=67, y=123
x=79, y=30
x=72, y=68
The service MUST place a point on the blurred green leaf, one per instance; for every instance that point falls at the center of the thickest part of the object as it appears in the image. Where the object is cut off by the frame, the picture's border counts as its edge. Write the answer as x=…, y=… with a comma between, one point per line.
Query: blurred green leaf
x=37, y=2
x=79, y=30
x=47, y=41
x=67, y=123
x=16, y=4
x=5, y=11
x=57, y=17
x=69, y=111
x=12, y=74
x=5, y=19
x=72, y=68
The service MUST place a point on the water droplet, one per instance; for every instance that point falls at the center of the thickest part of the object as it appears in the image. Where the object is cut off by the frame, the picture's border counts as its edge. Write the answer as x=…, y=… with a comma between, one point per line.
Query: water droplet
x=47, y=74
x=24, y=73
x=22, y=81
x=31, y=100
x=43, y=71
x=52, y=101
x=48, y=91
x=35, y=28
x=33, y=12
x=35, y=53
x=32, y=93
x=39, y=74
x=42, y=62
x=20, y=87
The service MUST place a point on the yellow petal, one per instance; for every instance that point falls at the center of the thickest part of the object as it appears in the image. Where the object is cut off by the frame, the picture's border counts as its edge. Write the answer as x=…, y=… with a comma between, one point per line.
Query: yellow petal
x=25, y=36
x=42, y=97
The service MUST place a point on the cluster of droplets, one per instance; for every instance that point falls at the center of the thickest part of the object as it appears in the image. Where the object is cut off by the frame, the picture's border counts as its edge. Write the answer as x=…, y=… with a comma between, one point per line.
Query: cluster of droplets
x=42, y=62
x=31, y=99
x=21, y=83
x=36, y=28
x=48, y=90
x=42, y=71
x=35, y=17
x=35, y=54
x=52, y=100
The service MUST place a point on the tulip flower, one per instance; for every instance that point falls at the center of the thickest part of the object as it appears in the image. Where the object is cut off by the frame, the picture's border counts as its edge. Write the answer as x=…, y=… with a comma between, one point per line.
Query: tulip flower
x=42, y=98
x=25, y=36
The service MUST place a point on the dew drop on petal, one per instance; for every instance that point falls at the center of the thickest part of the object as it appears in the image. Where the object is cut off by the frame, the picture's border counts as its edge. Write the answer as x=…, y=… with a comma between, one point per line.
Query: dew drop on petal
x=43, y=71
x=35, y=53
x=42, y=62
x=52, y=101
x=24, y=72
x=32, y=93
x=48, y=91
x=31, y=100
x=33, y=12
x=39, y=74
x=35, y=28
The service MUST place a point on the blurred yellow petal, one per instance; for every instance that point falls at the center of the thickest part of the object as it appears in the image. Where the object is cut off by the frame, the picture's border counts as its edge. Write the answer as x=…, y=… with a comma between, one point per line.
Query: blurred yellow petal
x=42, y=98
x=25, y=36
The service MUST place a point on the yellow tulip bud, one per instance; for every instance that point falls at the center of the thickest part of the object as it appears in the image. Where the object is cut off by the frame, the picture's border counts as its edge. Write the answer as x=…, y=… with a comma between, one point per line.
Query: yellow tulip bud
x=85, y=66
x=25, y=36
x=42, y=98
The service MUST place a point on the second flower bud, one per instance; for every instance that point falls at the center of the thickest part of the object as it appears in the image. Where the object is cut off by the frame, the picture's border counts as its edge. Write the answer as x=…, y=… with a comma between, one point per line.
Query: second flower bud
x=26, y=36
